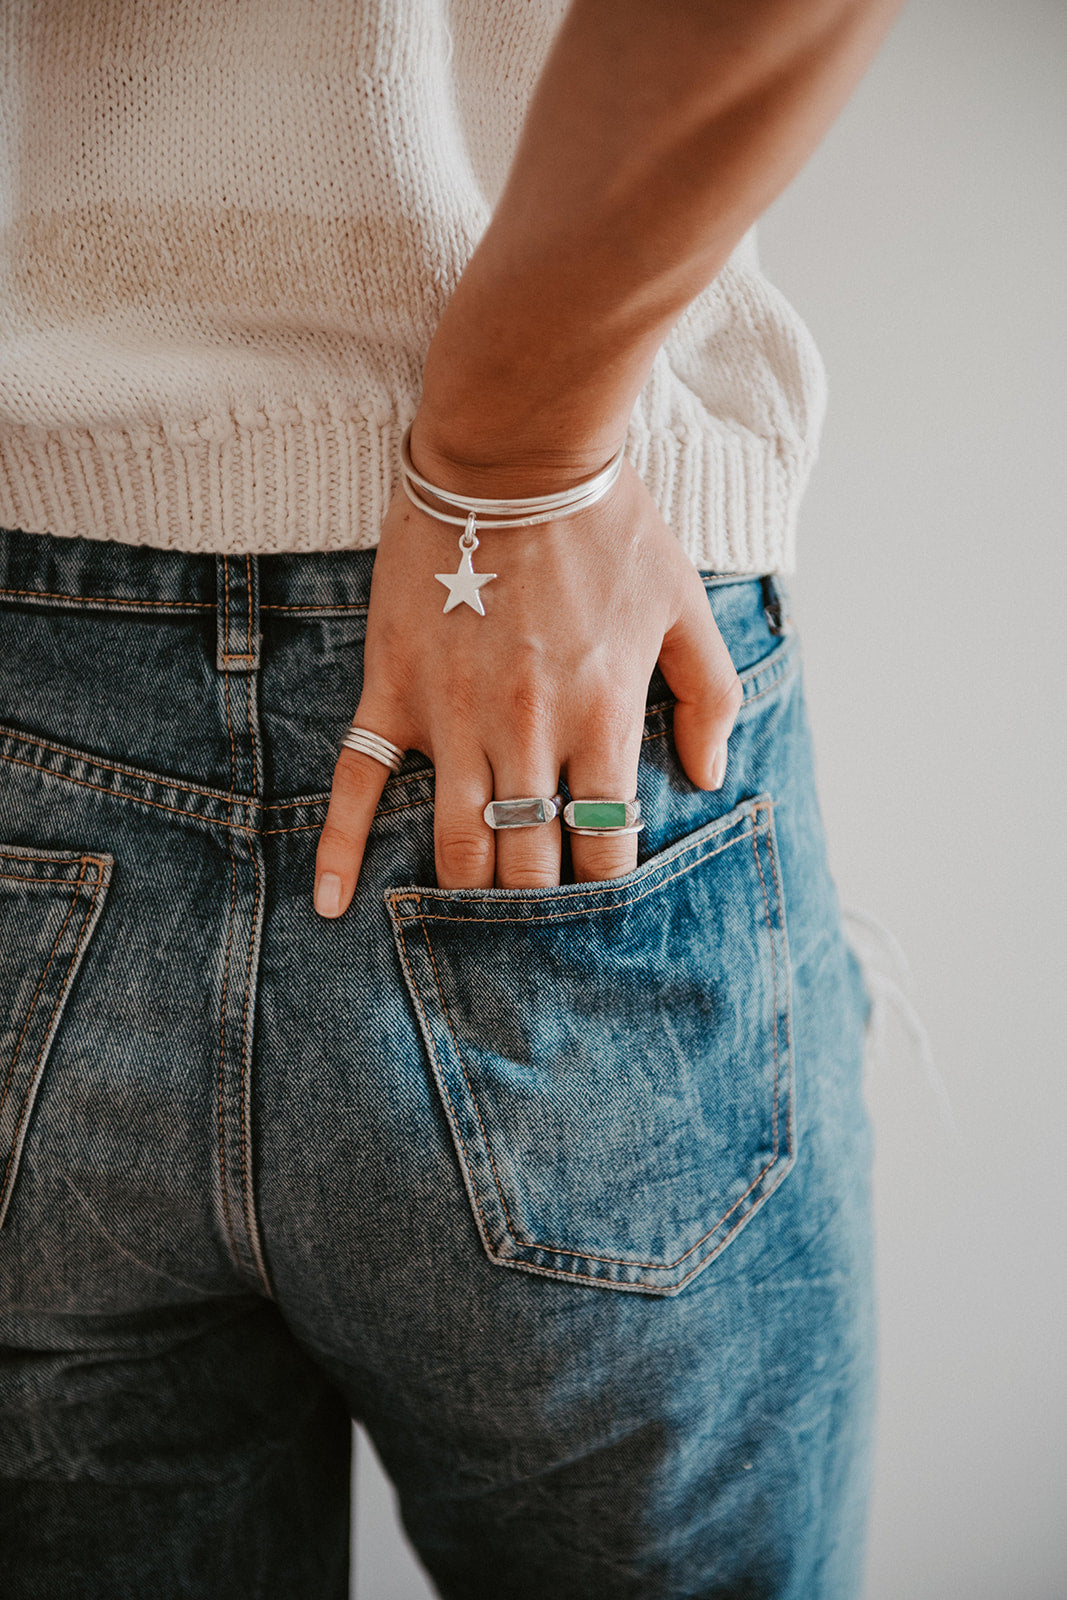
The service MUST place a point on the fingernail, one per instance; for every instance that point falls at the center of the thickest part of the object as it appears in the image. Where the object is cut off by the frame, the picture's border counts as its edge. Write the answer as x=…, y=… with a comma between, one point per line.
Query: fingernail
x=718, y=767
x=328, y=894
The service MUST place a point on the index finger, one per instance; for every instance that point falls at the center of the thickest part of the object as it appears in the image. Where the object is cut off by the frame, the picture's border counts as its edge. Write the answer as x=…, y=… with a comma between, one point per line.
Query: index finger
x=358, y=781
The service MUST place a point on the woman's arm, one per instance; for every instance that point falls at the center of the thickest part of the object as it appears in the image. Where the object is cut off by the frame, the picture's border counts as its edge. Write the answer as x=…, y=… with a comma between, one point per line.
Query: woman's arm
x=658, y=131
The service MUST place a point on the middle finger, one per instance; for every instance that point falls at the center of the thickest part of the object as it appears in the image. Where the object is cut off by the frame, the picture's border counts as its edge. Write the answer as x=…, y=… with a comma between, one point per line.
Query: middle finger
x=527, y=857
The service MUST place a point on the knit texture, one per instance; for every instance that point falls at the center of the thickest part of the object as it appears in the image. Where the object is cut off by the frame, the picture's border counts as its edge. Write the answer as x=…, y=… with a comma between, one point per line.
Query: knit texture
x=228, y=229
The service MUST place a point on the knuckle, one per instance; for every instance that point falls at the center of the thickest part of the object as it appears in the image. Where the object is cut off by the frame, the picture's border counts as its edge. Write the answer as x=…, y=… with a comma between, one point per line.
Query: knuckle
x=530, y=875
x=613, y=717
x=337, y=840
x=349, y=777
x=462, y=852
x=529, y=703
x=463, y=694
x=606, y=860
x=733, y=694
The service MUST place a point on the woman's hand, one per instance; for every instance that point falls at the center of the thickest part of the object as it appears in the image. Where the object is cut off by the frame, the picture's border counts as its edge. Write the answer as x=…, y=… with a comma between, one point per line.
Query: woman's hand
x=552, y=680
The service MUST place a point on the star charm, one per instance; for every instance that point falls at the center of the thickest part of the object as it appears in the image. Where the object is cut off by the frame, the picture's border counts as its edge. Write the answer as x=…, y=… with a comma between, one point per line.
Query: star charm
x=463, y=585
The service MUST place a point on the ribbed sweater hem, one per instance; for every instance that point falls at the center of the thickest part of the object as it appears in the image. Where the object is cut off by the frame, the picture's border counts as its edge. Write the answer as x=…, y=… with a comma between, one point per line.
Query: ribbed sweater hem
x=293, y=483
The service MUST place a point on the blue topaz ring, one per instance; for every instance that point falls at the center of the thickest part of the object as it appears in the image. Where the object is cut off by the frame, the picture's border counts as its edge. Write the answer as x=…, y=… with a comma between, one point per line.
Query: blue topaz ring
x=527, y=813
x=596, y=817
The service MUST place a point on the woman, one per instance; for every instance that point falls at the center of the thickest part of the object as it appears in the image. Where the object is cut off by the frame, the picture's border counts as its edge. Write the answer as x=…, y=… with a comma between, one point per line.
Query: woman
x=480, y=1153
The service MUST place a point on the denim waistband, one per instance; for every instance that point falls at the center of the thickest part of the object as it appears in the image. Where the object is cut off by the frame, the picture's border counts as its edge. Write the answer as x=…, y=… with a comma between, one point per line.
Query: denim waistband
x=245, y=591
x=104, y=573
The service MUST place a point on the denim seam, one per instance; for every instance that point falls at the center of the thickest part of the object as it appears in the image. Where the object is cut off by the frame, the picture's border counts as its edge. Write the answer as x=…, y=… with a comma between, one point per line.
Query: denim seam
x=790, y=1131
x=585, y=1255
x=323, y=799
x=474, y=1099
x=388, y=811
x=63, y=928
x=586, y=890
x=13, y=853
x=179, y=605
x=44, y=1043
x=120, y=794
x=567, y=1276
x=471, y=1185
x=108, y=599
x=17, y=877
x=246, y=1187
x=340, y=606
x=241, y=1083
x=226, y=978
x=157, y=781
x=774, y=976
x=160, y=783
x=243, y=1086
x=789, y=671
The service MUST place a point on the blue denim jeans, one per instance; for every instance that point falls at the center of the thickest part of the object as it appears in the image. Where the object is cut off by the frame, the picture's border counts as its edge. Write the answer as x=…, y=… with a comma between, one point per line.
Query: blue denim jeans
x=562, y=1192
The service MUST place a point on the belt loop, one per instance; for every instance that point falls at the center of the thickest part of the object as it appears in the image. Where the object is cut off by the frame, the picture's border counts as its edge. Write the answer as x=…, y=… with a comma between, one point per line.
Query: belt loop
x=237, y=588
x=772, y=603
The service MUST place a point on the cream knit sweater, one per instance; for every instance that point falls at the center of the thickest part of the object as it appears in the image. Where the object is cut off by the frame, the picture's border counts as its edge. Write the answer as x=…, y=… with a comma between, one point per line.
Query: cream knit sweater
x=228, y=229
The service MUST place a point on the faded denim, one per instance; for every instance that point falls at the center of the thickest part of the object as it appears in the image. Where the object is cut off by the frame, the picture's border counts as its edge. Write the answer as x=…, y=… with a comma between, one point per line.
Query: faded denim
x=562, y=1192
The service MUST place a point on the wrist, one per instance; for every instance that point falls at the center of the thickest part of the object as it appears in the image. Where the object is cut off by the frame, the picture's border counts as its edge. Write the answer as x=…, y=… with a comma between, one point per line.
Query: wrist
x=511, y=404
x=470, y=457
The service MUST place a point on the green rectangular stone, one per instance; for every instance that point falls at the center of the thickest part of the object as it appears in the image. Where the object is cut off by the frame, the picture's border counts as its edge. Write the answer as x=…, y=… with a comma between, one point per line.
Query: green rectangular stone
x=599, y=814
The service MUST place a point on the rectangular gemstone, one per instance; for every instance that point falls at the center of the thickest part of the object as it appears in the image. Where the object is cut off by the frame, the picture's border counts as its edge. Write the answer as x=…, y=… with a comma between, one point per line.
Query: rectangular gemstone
x=599, y=813
x=519, y=813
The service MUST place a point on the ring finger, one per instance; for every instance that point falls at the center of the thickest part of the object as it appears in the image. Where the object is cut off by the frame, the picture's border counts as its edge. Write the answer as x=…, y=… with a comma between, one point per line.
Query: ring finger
x=603, y=774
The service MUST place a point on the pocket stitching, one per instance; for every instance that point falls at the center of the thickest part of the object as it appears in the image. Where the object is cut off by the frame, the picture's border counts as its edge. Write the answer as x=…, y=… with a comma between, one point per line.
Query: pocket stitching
x=571, y=1250
x=457, y=1136
x=789, y=1009
x=608, y=887
x=60, y=998
x=47, y=966
x=774, y=980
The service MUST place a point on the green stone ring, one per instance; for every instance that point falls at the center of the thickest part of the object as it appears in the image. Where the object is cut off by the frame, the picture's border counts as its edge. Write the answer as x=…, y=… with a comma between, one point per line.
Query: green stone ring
x=595, y=817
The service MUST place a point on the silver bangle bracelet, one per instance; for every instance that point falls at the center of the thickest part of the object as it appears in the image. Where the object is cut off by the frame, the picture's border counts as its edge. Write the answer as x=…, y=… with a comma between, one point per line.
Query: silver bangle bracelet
x=465, y=585
x=521, y=513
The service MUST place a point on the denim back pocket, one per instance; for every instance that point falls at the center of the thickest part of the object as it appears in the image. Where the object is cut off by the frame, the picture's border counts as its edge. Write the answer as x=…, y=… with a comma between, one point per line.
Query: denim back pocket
x=49, y=904
x=614, y=1059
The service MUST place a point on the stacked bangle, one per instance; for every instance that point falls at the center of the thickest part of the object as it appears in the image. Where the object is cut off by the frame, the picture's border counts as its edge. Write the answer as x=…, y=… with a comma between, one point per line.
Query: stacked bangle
x=464, y=585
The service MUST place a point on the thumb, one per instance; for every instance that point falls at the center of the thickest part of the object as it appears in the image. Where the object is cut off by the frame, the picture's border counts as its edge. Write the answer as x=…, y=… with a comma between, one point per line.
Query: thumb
x=700, y=674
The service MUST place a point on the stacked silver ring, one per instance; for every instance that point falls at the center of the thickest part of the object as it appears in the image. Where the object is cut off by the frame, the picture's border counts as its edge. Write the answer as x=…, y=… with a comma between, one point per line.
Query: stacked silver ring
x=373, y=745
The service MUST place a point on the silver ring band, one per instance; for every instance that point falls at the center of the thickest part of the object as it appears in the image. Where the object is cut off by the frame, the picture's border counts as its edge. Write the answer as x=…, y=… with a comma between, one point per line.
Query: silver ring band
x=373, y=745
x=529, y=812
x=595, y=818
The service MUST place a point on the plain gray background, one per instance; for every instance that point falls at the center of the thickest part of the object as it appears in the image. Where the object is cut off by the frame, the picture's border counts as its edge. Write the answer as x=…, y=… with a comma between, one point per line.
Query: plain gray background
x=925, y=244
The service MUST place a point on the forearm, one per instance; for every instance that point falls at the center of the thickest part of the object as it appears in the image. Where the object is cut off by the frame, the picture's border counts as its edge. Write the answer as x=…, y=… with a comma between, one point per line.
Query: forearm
x=658, y=132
